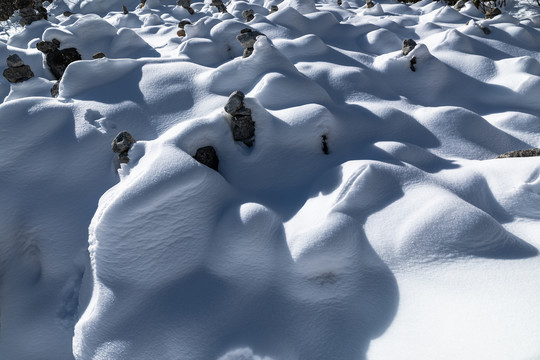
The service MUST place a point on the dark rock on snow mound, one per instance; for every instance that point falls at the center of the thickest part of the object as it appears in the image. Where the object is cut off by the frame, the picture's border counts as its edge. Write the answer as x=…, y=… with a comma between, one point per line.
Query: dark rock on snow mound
x=58, y=60
x=17, y=71
x=520, y=153
x=242, y=125
x=121, y=145
x=207, y=156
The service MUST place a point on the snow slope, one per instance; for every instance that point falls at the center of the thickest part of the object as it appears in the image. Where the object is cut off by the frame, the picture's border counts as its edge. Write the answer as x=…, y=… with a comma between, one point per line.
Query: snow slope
x=407, y=240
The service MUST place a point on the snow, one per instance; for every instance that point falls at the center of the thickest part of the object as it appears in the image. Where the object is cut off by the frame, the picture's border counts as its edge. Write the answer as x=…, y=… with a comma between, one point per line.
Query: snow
x=408, y=239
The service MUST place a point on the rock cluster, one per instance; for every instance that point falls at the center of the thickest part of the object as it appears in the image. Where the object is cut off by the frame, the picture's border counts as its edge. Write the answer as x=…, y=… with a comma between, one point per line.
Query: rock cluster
x=186, y=4
x=219, y=5
x=121, y=145
x=7, y=8
x=58, y=60
x=520, y=153
x=207, y=156
x=247, y=38
x=491, y=13
x=242, y=125
x=181, y=24
x=408, y=45
x=17, y=71
x=248, y=15
x=30, y=11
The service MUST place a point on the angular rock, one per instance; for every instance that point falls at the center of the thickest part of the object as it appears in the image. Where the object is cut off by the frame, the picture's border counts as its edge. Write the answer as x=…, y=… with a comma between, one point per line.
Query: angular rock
x=243, y=129
x=247, y=52
x=520, y=153
x=339, y=2
x=121, y=145
x=47, y=47
x=248, y=15
x=125, y=10
x=273, y=9
x=491, y=13
x=408, y=45
x=18, y=74
x=369, y=4
x=207, y=156
x=99, y=55
x=58, y=60
x=183, y=23
x=248, y=37
x=219, y=5
x=14, y=61
x=324, y=139
x=68, y=13
x=235, y=102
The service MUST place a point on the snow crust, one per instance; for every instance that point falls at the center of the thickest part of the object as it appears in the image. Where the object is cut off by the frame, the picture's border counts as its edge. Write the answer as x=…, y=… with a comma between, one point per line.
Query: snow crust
x=407, y=240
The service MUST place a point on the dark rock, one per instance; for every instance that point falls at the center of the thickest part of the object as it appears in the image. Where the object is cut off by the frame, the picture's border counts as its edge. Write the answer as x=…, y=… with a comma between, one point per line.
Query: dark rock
x=207, y=156
x=121, y=145
x=24, y=3
x=235, y=102
x=14, y=61
x=68, y=13
x=520, y=153
x=181, y=33
x=369, y=4
x=186, y=4
x=99, y=55
x=248, y=15
x=273, y=9
x=243, y=129
x=219, y=5
x=412, y=63
x=18, y=74
x=125, y=10
x=491, y=13
x=247, y=52
x=485, y=29
x=58, y=60
x=248, y=37
x=143, y=2
x=55, y=90
x=408, y=45
x=183, y=23
x=324, y=144
x=459, y=4
x=339, y=2
x=7, y=8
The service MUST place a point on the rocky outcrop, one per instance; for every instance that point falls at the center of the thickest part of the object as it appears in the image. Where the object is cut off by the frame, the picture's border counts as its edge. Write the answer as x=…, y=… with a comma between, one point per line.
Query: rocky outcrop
x=408, y=46
x=247, y=39
x=17, y=71
x=520, y=153
x=207, y=156
x=7, y=8
x=242, y=125
x=121, y=145
x=58, y=60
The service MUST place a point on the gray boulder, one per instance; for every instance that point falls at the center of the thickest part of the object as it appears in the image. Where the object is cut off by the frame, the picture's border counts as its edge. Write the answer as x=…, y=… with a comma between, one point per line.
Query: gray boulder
x=186, y=4
x=242, y=125
x=219, y=5
x=17, y=71
x=491, y=13
x=121, y=145
x=408, y=46
x=247, y=39
x=248, y=15
x=235, y=102
x=207, y=156
x=14, y=61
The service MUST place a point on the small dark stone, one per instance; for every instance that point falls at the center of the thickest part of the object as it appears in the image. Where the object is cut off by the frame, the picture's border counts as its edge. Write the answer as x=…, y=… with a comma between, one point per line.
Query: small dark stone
x=219, y=5
x=18, y=74
x=181, y=33
x=143, y=2
x=369, y=4
x=207, y=156
x=408, y=45
x=55, y=90
x=125, y=10
x=412, y=63
x=235, y=102
x=99, y=55
x=248, y=15
x=339, y=2
x=183, y=23
x=459, y=5
x=68, y=13
x=243, y=129
x=324, y=144
x=247, y=52
x=122, y=142
x=273, y=9
x=7, y=8
x=14, y=61
x=58, y=60
x=47, y=47
x=248, y=37
x=491, y=13
x=520, y=153
x=485, y=30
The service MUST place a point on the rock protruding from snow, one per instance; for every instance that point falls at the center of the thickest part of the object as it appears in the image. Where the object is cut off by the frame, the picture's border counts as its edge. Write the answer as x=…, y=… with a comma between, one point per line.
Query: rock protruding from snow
x=30, y=11
x=58, y=60
x=7, y=8
x=121, y=145
x=491, y=13
x=99, y=55
x=369, y=4
x=520, y=153
x=247, y=39
x=273, y=9
x=248, y=14
x=207, y=156
x=186, y=4
x=219, y=5
x=181, y=32
x=17, y=71
x=408, y=46
x=242, y=125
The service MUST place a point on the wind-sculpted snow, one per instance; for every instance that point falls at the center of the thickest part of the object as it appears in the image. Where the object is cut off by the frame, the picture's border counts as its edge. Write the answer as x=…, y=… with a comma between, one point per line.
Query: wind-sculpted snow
x=369, y=219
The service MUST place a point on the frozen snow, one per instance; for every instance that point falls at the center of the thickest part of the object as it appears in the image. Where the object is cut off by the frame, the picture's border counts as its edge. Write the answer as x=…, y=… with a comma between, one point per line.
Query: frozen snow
x=407, y=240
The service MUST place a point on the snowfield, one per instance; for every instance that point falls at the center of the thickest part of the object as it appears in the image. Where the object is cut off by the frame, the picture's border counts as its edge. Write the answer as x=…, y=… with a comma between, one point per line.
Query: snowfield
x=370, y=219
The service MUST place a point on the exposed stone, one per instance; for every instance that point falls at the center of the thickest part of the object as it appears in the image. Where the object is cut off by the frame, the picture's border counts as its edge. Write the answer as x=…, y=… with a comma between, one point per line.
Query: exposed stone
x=55, y=90
x=58, y=60
x=7, y=8
x=339, y=2
x=248, y=15
x=369, y=4
x=181, y=33
x=247, y=38
x=520, y=153
x=186, y=4
x=459, y=5
x=324, y=139
x=207, y=156
x=491, y=13
x=408, y=45
x=30, y=11
x=121, y=145
x=485, y=29
x=14, y=61
x=183, y=23
x=68, y=13
x=273, y=9
x=247, y=52
x=99, y=55
x=412, y=63
x=219, y=5
x=235, y=102
x=143, y=2
x=18, y=74
x=125, y=10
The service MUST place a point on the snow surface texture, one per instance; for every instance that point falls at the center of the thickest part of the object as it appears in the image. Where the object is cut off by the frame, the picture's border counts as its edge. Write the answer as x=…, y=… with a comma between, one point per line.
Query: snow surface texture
x=408, y=240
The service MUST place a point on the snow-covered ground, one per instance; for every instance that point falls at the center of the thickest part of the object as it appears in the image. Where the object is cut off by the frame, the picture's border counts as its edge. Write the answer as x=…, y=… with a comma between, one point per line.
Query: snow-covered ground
x=408, y=240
